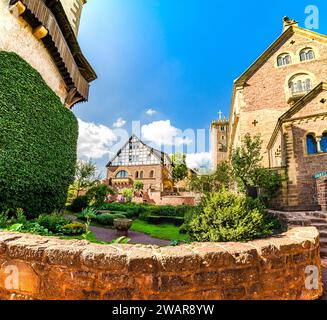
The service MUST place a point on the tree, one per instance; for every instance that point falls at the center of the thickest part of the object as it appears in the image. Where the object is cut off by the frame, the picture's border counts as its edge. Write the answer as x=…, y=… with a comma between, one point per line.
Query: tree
x=215, y=182
x=180, y=170
x=85, y=176
x=138, y=185
x=99, y=193
x=246, y=161
x=128, y=194
x=247, y=168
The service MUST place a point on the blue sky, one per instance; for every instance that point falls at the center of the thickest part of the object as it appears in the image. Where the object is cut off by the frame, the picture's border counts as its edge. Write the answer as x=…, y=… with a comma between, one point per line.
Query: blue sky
x=176, y=57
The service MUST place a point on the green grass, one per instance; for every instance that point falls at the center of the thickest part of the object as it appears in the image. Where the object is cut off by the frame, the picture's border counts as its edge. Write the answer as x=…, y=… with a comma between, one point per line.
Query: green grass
x=162, y=231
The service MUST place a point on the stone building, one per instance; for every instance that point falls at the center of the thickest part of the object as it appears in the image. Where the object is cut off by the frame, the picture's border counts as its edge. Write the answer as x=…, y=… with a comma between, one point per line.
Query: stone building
x=44, y=33
x=137, y=161
x=219, y=142
x=283, y=97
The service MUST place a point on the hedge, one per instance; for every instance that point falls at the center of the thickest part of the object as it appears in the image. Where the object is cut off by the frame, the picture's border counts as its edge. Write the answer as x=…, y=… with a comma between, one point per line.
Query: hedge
x=136, y=210
x=38, y=140
x=177, y=221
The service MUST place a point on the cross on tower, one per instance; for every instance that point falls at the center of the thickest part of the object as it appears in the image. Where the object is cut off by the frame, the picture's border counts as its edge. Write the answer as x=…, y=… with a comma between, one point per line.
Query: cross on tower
x=220, y=114
x=255, y=122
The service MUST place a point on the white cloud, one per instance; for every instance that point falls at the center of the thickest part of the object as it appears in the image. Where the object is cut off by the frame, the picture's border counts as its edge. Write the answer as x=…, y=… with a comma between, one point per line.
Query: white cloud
x=120, y=122
x=200, y=160
x=151, y=112
x=163, y=133
x=94, y=140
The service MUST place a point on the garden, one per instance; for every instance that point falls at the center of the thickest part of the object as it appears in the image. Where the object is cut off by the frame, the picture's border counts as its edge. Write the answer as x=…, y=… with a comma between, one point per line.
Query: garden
x=44, y=190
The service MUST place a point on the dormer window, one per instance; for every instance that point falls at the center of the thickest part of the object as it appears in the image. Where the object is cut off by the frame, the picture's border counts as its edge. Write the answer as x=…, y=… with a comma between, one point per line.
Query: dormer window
x=307, y=54
x=284, y=60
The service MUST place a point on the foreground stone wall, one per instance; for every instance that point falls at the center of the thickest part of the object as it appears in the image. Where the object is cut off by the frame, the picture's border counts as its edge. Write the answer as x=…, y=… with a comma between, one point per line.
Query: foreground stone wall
x=34, y=267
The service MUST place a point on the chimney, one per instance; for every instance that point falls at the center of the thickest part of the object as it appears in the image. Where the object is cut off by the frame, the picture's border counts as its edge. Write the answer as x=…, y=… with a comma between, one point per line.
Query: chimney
x=288, y=22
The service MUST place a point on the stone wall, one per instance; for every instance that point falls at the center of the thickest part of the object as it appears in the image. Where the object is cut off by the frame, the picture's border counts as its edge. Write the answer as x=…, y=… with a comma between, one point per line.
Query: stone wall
x=265, y=96
x=322, y=192
x=17, y=36
x=35, y=267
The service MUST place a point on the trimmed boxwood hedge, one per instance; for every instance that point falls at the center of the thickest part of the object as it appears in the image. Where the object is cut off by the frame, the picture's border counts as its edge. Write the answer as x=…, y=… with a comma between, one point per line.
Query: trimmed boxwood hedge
x=177, y=221
x=38, y=140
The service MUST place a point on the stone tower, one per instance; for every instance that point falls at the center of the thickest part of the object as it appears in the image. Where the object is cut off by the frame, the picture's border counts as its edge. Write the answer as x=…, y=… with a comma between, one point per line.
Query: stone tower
x=73, y=9
x=219, y=140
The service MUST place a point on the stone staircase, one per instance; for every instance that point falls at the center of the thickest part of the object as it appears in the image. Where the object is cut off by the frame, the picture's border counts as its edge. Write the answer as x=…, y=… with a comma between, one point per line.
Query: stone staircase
x=316, y=219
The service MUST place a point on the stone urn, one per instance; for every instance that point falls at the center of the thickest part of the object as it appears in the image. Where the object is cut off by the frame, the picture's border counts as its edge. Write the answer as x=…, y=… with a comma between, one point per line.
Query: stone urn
x=122, y=226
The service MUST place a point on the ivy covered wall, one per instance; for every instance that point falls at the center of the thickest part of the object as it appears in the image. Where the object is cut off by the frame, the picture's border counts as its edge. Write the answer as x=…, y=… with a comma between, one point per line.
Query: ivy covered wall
x=38, y=140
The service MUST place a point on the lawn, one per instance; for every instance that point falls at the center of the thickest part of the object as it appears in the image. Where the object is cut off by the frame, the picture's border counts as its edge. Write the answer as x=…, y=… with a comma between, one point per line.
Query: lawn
x=162, y=231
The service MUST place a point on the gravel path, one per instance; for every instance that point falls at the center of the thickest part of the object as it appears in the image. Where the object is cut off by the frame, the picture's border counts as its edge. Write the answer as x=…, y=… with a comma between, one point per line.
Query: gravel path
x=107, y=235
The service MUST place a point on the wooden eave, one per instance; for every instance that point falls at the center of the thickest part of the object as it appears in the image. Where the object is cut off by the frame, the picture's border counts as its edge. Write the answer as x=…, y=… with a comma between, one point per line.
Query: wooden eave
x=62, y=45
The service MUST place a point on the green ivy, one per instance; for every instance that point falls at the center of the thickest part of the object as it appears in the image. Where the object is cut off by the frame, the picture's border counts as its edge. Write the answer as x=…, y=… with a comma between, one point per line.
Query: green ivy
x=38, y=139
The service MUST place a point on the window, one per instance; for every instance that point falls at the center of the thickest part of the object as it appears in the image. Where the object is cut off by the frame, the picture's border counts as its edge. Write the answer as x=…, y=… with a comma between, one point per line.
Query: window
x=222, y=129
x=323, y=142
x=136, y=174
x=122, y=174
x=300, y=84
x=141, y=174
x=311, y=144
x=307, y=54
x=284, y=59
x=151, y=174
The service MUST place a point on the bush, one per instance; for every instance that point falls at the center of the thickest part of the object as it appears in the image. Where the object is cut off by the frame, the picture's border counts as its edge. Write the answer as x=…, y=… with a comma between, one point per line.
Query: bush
x=74, y=229
x=225, y=216
x=107, y=219
x=87, y=213
x=99, y=194
x=4, y=220
x=38, y=140
x=128, y=194
x=161, y=220
x=79, y=204
x=53, y=223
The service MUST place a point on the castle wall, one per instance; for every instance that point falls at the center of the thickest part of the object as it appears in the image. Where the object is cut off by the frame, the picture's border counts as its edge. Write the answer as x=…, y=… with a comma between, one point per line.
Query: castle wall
x=16, y=36
x=51, y=269
x=266, y=93
x=73, y=9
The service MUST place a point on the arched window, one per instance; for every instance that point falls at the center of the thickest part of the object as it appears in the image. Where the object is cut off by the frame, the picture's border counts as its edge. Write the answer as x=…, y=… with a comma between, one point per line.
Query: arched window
x=151, y=174
x=136, y=174
x=307, y=54
x=323, y=142
x=122, y=174
x=141, y=174
x=284, y=59
x=311, y=144
x=300, y=83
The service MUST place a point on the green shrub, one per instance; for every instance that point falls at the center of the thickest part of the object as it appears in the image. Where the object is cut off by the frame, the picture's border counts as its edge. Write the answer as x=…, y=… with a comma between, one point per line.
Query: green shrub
x=54, y=222
x=79, y=204
x=74, y=229
x=128, y=194
x=4, y=220
x=225, y=216
x=38, y=140
x=88, y=213
x=98, y=194
x=107, y=219
x=177, y=221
